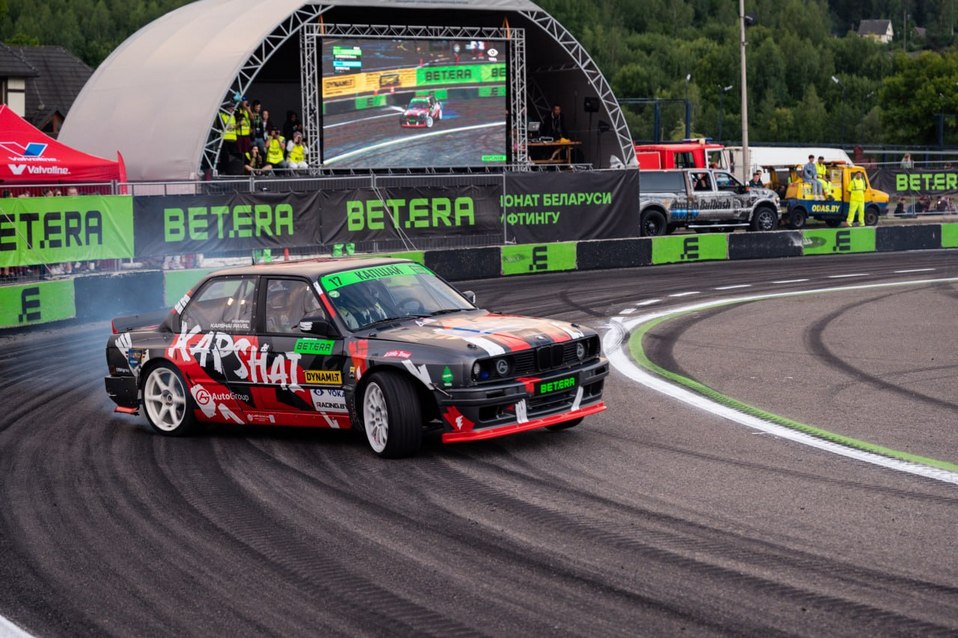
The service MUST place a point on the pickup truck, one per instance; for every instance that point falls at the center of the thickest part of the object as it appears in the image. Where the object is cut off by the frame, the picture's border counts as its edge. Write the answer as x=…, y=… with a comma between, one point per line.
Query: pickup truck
x=702, y=199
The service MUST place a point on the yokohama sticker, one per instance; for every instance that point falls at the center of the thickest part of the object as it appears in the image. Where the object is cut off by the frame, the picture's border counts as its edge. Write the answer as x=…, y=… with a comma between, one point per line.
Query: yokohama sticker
x=329, y=400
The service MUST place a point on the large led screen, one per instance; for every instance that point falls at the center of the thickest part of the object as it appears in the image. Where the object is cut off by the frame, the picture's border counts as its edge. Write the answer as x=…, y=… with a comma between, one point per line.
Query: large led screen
x=414, y=103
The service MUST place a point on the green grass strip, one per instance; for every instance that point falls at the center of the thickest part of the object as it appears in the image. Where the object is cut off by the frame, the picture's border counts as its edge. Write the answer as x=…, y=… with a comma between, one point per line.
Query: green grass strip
x=636, y=342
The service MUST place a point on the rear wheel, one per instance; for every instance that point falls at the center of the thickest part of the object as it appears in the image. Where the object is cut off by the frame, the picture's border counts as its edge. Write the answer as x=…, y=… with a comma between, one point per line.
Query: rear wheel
x=765, y=218
x=565, y=425
x=797, y=217
x=871, y=216
x=652, y=223
x=168, y=405
x=392, y=416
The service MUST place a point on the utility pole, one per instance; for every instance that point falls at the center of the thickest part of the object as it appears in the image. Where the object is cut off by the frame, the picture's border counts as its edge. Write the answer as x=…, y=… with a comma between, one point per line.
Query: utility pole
x=745, y=158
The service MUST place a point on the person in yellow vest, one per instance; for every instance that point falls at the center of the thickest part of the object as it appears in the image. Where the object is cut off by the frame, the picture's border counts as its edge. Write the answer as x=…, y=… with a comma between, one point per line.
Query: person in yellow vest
x=296, y=152
x=856, y=200
x=822, y=172
x=244, y=129
x=228, y=150
x=275, y=149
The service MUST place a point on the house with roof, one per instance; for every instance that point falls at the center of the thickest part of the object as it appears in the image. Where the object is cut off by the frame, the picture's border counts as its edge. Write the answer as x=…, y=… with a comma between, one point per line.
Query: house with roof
x=878, y=30
x=40, y=83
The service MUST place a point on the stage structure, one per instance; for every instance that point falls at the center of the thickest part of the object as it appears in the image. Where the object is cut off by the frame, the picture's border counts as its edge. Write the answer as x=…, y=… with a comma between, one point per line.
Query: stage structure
x=457, y=95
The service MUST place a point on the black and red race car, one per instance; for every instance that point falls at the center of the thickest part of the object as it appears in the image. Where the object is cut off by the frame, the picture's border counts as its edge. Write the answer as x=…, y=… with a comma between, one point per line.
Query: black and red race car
x=379, y=344
x=422, y=112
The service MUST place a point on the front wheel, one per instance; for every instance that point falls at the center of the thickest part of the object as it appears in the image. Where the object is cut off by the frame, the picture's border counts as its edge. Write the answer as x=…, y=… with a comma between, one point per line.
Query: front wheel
x=652, y=223
x=392, y=416
x=765, y=218
x=169, y=407
x=429, y=121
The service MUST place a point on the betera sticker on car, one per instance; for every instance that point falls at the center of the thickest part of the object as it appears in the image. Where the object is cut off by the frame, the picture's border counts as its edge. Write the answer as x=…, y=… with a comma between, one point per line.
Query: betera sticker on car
x=317, y=347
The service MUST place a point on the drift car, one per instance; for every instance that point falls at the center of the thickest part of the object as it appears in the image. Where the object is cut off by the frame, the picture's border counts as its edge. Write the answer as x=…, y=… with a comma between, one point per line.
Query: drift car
x=383, y=345
x=421, y=113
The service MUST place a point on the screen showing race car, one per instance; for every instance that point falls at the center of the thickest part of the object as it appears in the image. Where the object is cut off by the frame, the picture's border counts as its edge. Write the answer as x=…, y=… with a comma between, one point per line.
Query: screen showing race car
x=414, y=103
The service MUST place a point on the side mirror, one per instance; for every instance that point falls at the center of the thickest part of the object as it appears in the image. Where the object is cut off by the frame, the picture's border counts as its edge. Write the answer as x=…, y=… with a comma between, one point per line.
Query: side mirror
x=316, y=325
x=741, y=189
x=470, y=296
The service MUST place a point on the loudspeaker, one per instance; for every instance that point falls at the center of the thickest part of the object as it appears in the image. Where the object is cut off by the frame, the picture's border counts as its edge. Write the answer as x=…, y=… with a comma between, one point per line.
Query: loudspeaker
x=591, y=105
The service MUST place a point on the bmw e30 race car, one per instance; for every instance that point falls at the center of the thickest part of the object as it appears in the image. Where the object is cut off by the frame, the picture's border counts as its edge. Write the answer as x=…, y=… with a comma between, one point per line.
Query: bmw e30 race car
x=422, y=112
x=384, y=345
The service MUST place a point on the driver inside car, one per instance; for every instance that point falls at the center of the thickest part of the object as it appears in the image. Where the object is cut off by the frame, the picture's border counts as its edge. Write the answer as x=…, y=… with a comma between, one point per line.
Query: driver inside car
x=362, y=304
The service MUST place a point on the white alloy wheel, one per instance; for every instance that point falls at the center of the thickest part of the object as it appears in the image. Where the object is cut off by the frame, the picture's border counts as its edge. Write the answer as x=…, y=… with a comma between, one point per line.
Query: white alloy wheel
x=376, y=417
x=165, y=399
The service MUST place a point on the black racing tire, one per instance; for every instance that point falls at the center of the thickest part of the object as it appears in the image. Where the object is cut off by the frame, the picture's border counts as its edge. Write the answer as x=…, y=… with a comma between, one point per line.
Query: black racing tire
x=167, y=402
x=391, y=415
x=871, y=216
x=565, y=425
x=797, y=217
x=652, y=223
x=764, y=218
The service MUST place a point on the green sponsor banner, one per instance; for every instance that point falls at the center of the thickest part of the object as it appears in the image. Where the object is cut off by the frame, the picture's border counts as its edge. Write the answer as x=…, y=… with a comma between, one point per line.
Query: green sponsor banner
x=37, y=303
x=949, y=235
x=492, y=91
x=439, y=94
x=462, y=74
x=829, y=241
x=50, y=230
x=177, y=283
x=340, y=279
x=317, y=347
x=685, y=248
x=527, y=259
x=371, y=102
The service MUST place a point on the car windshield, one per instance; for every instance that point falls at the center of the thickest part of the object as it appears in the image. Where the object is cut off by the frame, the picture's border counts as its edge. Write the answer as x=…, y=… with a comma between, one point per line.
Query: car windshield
x=419, y=103
x=378, y=294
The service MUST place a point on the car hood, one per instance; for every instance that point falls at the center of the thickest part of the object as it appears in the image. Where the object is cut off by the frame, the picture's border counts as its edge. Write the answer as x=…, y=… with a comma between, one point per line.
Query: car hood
x=482, y=333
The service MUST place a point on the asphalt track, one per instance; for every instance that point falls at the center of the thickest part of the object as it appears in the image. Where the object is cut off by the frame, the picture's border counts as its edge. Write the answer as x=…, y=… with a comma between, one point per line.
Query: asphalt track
x=652, y=518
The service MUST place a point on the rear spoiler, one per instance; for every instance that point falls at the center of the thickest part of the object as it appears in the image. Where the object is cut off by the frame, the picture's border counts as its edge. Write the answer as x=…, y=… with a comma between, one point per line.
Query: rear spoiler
x=143, y=321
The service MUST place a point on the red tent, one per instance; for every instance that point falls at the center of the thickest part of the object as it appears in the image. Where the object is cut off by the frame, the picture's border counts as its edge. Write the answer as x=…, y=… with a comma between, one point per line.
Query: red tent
x=28, y=156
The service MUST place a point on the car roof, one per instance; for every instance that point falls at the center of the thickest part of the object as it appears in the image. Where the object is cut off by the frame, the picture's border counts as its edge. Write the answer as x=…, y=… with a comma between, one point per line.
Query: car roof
x=311, y=268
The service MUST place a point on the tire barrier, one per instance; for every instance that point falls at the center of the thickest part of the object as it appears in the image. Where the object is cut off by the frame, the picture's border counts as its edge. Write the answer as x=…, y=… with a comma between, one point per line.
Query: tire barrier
x=92, y=297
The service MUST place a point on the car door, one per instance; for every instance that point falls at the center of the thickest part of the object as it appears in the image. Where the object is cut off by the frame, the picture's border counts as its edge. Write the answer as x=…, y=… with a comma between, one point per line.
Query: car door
x=215, y=338
x=302, y=376
x=711, y=204
x=737, y=204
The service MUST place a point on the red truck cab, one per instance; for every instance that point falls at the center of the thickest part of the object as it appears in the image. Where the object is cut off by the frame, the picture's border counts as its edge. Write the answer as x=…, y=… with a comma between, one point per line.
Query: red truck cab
x=686, y=154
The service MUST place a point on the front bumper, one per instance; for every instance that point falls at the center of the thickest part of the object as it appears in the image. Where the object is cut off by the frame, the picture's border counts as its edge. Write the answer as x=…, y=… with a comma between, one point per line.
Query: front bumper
x=528, y=403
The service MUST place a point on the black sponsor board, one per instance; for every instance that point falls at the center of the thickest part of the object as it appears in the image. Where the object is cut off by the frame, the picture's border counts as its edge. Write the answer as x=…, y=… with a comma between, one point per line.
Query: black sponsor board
x=461, y=264
x=615, y=253
x=181, y=224
x=561, y=206
x=765, y=245
x=391, y=213
x=891, y=239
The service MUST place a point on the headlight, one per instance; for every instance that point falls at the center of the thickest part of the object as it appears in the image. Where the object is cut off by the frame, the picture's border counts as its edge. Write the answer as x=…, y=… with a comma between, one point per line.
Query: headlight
x=502, y=367
x=580, y=350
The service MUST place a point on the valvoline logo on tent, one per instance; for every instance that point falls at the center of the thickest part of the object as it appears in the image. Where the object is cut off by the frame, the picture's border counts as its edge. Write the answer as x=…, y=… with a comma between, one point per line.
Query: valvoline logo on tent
x=30, y=153
x=33, y=150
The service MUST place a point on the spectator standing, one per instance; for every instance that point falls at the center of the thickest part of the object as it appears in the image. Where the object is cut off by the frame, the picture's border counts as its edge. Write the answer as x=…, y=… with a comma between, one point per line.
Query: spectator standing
x=554, y=124
x=228, y=150
x=244, y=131
x=756, y=181
x=258, y=126
x=906, y=162
x=296, y=153
x=275, y=150
x=291, y=125
x=810, y=176
x=856, y=200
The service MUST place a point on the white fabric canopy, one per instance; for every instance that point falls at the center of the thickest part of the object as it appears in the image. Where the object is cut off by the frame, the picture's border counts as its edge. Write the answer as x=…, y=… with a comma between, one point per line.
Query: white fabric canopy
x=157, y=95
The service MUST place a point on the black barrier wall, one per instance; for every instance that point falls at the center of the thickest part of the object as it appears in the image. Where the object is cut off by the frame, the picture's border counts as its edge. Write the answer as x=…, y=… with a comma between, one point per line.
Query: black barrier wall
x=105, y=296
